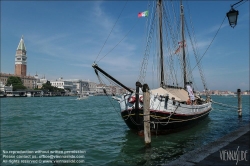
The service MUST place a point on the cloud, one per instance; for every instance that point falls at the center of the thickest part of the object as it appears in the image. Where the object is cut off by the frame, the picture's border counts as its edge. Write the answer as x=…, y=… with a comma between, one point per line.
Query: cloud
x=217, y=27
x=81, y=65
x=83, y=52
x=48, y=45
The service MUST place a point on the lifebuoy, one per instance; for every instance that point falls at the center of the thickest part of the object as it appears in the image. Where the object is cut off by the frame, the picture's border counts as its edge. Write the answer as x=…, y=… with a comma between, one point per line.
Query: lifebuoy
x=131, y=99
x=141, y=99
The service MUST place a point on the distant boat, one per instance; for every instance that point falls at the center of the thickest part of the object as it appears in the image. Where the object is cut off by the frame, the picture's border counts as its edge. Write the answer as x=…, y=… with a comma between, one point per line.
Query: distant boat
x=82, y=96
x=173, y=105
x=2, y=94
x=28, y=94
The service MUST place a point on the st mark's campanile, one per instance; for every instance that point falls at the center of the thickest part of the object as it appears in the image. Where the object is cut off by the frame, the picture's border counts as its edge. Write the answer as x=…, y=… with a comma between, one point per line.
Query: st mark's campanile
x=21, y=59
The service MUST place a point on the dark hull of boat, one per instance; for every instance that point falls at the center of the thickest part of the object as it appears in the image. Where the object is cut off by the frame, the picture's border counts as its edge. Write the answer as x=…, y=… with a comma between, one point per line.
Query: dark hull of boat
x=160, y=123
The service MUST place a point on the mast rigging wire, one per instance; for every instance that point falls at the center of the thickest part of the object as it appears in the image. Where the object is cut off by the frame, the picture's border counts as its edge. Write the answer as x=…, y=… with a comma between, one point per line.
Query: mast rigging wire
x=215, y=36
x=111, y=31
x=119, y=41
x=209, y=44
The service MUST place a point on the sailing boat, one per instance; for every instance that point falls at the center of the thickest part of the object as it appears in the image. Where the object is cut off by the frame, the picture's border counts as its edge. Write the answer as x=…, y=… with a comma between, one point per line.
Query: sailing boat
x=174, y=106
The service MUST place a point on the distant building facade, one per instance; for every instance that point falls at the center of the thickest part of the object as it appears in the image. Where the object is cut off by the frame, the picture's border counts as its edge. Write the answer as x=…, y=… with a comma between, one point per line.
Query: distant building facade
x=62, y=84
x=92, y=87
x=4, y=88
x=28, y=81
x=40, y=81
x=78, y=86
x=109, y=89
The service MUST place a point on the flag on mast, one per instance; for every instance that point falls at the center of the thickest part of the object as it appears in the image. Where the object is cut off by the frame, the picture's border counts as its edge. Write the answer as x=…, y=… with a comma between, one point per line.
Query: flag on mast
x=143, y=14
x=178, y=50
x=181, y=45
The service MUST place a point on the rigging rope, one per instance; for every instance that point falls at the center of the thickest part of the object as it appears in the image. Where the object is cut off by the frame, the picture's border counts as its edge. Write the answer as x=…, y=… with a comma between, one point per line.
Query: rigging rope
x=196, y=55
x=111, y=31
x=120, y=40
x=142, y=75
x=224, y=105
x=104, y=90
x=172, y=72
x=210, y=43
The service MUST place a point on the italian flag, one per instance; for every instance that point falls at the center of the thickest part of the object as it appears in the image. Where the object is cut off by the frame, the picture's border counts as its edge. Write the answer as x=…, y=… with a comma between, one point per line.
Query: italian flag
x=143, y=14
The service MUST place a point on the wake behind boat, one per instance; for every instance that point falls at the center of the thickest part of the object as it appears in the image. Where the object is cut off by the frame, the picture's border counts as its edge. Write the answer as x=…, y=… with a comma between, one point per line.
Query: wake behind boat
x=174, y=105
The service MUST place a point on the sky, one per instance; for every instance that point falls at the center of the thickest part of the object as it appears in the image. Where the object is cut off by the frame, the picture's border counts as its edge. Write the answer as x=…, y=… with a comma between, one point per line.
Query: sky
x=64, y=38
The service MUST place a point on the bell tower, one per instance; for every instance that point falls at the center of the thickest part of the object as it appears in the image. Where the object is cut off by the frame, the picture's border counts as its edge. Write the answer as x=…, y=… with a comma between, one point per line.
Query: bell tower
x=20, y=59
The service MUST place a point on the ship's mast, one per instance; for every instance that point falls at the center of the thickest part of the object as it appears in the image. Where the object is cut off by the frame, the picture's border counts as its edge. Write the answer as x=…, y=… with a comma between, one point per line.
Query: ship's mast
x=159, y=9
x=183, y=47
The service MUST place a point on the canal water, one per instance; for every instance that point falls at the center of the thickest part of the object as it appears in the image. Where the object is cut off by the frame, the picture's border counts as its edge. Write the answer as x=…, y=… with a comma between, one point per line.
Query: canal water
x=36, y=129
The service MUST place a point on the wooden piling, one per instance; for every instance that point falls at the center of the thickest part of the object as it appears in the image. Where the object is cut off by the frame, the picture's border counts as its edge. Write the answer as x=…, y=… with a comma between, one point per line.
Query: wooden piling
x=146, y=113
x=239, y=103
x=138, y=86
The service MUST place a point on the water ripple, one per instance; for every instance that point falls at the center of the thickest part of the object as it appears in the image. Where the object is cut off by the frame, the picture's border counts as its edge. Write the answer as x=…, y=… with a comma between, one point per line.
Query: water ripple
x=53, y=123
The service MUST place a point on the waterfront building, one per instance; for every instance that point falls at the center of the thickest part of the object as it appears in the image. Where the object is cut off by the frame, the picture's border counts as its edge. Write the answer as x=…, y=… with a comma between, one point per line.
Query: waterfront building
x=123, y=91
x=100, y=87
x=115, y=90
x=246, y=93
x=215, y=92
x=43, y=80
x=28, y=81
x=76, y=85
x=79, y=86
x=3, y=78
x=4, y=88
x=63, y=84
x=110, y=89
x=92, y=87
x=40, y=81
x=38, y=84
x=84, y=86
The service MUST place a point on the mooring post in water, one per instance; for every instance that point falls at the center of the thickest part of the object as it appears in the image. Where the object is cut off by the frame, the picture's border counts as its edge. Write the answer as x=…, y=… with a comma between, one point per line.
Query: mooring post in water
x=239, y=103
x=138, y=86
x=146, y=113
